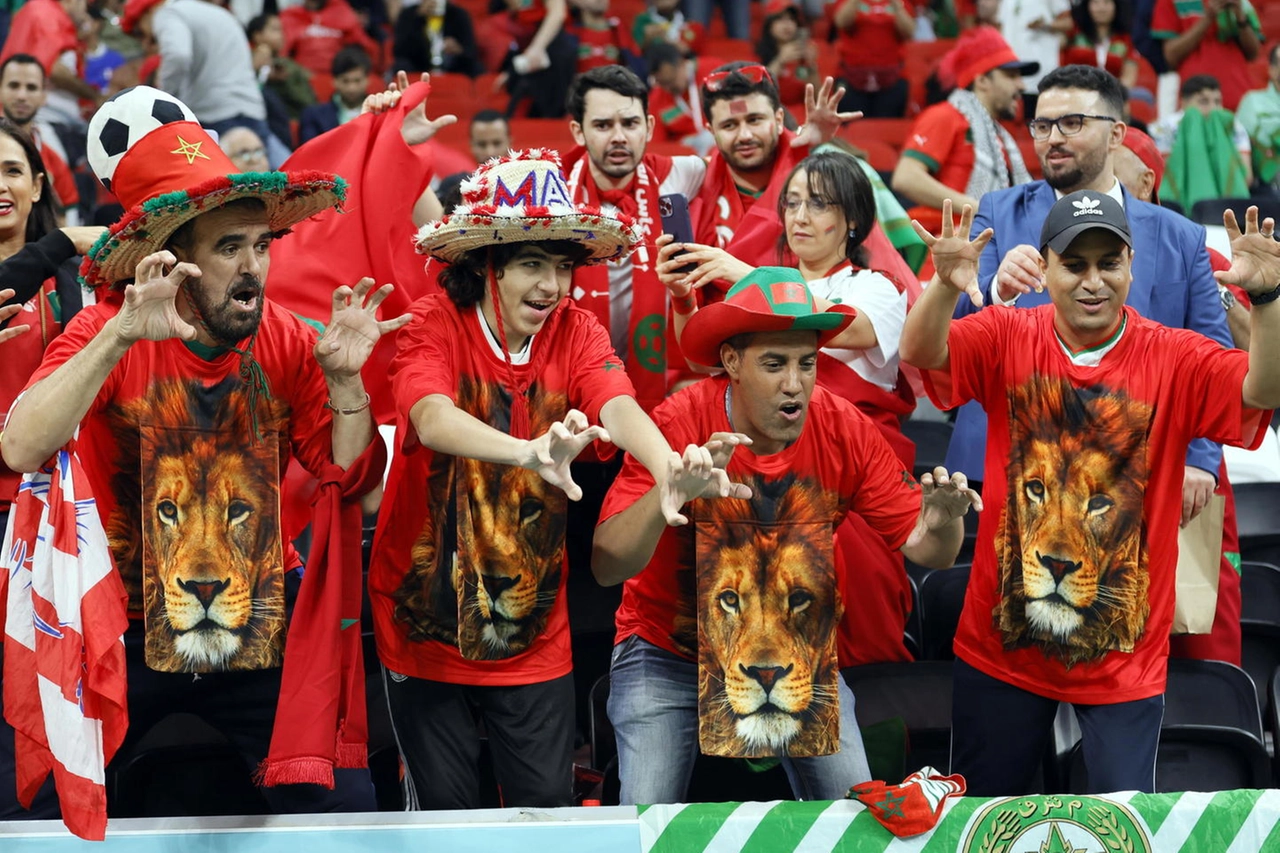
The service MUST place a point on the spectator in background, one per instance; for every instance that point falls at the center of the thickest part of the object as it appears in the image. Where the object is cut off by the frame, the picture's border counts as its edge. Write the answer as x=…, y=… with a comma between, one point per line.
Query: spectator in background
x=49, y=31
x=22, y=94
x=1203, y=94
x=436, y=35
x=958, y=150
x=489, y=135
x=316, y=30
x=100, y=61
x=601, y=38
x=541, y=61
x=869, y=37
x=350, y=70
x=245, y=148
x=736, y=14
x=1218, y=37
x=1259, y=115
x=676, y=99
x=1101, y=38
x=277, y=72
x=973, y=13
x=1035, y=31
x=664, y=22
x=786, y=49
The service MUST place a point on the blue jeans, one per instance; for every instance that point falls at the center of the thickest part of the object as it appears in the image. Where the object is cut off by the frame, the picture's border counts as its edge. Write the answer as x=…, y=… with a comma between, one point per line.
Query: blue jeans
x=653, y=705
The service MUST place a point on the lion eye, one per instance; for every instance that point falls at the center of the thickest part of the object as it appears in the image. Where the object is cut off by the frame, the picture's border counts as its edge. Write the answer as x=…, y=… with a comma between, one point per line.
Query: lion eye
x=1099, y=504
x=530, y=509
x=729, y=601
x=799, y=600
x=168, y=512
x=238, y=511
x=1035, y=490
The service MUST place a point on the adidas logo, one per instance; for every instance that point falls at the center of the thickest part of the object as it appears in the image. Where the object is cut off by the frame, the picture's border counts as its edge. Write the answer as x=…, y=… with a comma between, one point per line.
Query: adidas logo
x=1087, y=207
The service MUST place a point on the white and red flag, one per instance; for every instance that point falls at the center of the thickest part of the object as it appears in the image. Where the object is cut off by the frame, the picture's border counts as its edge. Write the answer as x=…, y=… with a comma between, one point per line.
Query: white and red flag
x=64, y=670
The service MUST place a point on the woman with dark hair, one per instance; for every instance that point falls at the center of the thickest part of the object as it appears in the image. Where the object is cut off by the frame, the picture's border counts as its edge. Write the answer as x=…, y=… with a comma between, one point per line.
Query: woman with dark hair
x=787, y=51
x=1101, y=38
x=41, y=291
x=827, y=209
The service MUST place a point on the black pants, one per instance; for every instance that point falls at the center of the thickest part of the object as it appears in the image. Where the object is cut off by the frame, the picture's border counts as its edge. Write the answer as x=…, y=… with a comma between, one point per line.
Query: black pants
x=999, y=733
x=530, y=731
x=889, y=102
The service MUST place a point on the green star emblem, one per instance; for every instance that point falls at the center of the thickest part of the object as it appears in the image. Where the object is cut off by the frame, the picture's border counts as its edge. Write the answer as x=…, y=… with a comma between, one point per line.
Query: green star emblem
x=891, y=806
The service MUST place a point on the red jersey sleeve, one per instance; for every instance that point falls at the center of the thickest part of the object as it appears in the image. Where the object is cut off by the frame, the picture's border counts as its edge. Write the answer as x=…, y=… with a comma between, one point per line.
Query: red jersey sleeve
x=426, y=360
x=1212, y=396
x=672, y=418
x=882, y=491
x=934, y=135
x=975, y=344
x=1165, y=22
x=82, y=329
x=598, y=374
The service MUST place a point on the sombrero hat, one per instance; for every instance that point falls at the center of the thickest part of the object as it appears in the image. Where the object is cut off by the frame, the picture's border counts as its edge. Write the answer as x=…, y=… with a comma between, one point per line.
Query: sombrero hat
x=768, y=299
x=520, y=198
x=147, y=147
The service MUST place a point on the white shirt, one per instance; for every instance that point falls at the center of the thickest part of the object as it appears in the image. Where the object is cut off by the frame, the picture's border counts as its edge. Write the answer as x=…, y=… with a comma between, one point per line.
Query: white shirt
x=877, y=299
x=1032, y=45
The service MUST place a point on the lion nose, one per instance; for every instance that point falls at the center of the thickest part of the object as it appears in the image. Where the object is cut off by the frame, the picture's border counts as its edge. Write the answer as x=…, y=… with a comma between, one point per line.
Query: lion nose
x=204, y=591
x=496, y=585
x=1058, y=568
x=766, y=675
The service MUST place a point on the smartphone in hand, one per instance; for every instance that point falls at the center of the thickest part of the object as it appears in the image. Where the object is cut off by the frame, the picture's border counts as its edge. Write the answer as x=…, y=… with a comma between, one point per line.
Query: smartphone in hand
x=673, y=208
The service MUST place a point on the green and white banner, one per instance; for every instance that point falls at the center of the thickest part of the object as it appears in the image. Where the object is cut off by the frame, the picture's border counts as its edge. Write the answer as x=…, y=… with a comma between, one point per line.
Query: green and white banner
x=1223, y=822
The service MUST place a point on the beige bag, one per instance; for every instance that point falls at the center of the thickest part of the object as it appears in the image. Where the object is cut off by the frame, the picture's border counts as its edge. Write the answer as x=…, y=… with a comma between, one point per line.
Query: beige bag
x=1199, y=561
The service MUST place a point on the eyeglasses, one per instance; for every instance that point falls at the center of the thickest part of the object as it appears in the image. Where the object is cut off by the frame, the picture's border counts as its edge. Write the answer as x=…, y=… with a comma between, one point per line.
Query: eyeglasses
x=816, y=204
x=754, y=74
x=249, y=154
x=1069, y=125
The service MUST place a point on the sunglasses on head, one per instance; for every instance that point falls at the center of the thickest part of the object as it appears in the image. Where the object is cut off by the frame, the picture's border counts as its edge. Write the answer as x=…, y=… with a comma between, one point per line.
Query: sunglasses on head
x=754, y=74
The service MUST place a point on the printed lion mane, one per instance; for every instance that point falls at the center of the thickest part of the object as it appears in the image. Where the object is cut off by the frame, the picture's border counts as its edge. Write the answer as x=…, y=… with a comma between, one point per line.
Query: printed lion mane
x=767, y=613
x=196, y=500
x=1073, y=567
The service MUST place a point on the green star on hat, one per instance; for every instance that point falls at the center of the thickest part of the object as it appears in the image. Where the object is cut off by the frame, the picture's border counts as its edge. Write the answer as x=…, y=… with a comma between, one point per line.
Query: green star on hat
x=768, y=299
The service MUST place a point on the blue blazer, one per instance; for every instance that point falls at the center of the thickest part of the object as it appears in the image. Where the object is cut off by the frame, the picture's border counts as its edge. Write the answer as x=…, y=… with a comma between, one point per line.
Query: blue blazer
x=1172, y=284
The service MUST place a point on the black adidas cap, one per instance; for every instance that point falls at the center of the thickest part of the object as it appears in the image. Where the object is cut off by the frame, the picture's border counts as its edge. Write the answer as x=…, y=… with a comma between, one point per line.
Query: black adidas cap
x=1076, y=213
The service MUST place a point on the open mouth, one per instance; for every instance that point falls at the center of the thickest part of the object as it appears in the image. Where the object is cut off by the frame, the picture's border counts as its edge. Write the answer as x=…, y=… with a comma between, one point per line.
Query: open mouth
x=6, y=207
x=791, y=410
x=1092, y=305
x=540, y=306
x=246, y=295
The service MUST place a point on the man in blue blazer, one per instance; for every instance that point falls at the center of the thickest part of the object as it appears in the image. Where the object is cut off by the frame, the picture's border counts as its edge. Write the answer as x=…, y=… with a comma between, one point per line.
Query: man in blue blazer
x=1077, y=129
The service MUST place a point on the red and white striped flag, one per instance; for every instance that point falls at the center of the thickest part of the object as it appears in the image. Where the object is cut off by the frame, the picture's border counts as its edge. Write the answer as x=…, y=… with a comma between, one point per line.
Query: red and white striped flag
x=64, y=671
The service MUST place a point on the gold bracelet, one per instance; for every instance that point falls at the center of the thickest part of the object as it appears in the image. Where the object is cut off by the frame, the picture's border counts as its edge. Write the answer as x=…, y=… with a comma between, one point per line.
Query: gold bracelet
x=328, y=404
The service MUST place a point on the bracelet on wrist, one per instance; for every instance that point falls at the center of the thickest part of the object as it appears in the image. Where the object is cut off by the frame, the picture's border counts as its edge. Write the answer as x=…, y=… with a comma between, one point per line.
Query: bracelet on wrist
x=328, y=404
x=684, y=305
x=1263, y=298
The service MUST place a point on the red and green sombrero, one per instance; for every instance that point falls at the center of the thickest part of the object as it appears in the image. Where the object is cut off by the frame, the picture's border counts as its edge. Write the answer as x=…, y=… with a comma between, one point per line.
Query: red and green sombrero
x=768, y=299
x=148, y=148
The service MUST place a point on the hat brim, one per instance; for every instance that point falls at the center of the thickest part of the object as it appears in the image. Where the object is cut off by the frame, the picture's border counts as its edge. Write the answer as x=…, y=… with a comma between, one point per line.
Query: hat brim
x=290, y=197
x=1024, y=69
x=711, y=326
x=606, y=238
x=1065, y=237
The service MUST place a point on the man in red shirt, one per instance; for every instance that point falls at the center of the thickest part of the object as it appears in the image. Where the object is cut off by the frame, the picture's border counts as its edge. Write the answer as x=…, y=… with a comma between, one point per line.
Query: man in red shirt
x=316, y=30
x=1217, y=37
x=957, y=149
x=1092, y=406
x=500, y=382
x=726, y=637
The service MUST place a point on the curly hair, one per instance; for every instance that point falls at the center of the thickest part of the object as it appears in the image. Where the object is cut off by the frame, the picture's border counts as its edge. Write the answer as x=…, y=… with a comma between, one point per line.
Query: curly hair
x=465, y=279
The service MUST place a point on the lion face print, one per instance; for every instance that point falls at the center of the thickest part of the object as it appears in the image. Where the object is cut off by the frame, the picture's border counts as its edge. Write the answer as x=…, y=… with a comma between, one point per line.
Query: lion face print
x=1073, y=566
x=203, y=529
x=767, y=614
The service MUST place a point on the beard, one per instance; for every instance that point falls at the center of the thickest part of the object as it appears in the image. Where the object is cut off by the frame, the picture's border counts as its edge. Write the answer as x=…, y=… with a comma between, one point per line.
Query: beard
x=1083, y=171
x=224, y=322
x=616, y=170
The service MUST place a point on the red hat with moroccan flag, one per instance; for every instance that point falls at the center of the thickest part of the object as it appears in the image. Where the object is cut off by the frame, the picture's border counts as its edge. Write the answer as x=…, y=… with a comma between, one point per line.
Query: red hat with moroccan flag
x=768, y=299
x=148, y=148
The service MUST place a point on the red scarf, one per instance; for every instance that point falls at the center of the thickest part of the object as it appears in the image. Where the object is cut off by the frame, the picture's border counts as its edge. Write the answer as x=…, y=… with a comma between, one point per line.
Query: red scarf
x=651, y=344
x=320, y=716
x=22, y=355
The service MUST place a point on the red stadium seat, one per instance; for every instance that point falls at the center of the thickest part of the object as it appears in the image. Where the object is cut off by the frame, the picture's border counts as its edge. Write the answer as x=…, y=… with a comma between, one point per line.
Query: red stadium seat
x=668, y=148
x=730, y=50
x=541, y=133
x=919, y=60
x=882, y=156
x=892, y=131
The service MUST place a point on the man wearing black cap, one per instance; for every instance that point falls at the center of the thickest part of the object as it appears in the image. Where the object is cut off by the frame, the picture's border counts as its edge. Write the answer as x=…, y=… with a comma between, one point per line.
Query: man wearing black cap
x=1072, y=591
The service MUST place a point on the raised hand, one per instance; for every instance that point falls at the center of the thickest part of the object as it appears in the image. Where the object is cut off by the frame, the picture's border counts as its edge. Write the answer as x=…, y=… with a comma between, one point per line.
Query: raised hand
x=955, y=256
x=6, y=313
x=354, y=328
x=150, y=310
x=551, y=453
x=946, y=497
x=416, y=127
x=699, y=473
x=822, y=118
x=1255, y=254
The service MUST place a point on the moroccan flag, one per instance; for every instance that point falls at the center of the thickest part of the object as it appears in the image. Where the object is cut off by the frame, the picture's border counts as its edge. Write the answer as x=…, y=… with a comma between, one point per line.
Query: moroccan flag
x=64, y=671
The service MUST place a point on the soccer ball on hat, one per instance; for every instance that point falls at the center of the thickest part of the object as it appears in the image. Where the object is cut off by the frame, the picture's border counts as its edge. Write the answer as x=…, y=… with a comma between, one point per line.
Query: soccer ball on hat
x=124, y=119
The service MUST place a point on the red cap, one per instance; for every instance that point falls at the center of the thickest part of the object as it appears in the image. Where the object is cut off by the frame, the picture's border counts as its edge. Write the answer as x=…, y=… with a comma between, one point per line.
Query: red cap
x=778, y=7
x=1142, y=145
x=133, y=12
x=979, y=50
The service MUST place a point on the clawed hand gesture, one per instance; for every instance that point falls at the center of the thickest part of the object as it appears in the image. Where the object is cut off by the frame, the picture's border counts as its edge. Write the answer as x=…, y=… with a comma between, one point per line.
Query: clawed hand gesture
x=150, y=310
x=955, y=256
x=354, y=328
x=551, y=453
x=699, y=473
x=822, y=116
x=417, y=128
x=946, y=497
x=1255, y=254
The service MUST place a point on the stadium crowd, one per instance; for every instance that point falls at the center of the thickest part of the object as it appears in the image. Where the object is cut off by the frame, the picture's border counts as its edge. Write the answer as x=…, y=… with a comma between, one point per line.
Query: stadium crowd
x=634, y=448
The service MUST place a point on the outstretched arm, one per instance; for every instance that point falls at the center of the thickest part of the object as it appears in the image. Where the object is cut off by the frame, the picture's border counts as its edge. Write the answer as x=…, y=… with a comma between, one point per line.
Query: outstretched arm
x=939, y=530
x=1255, y=266
x=822, y=116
